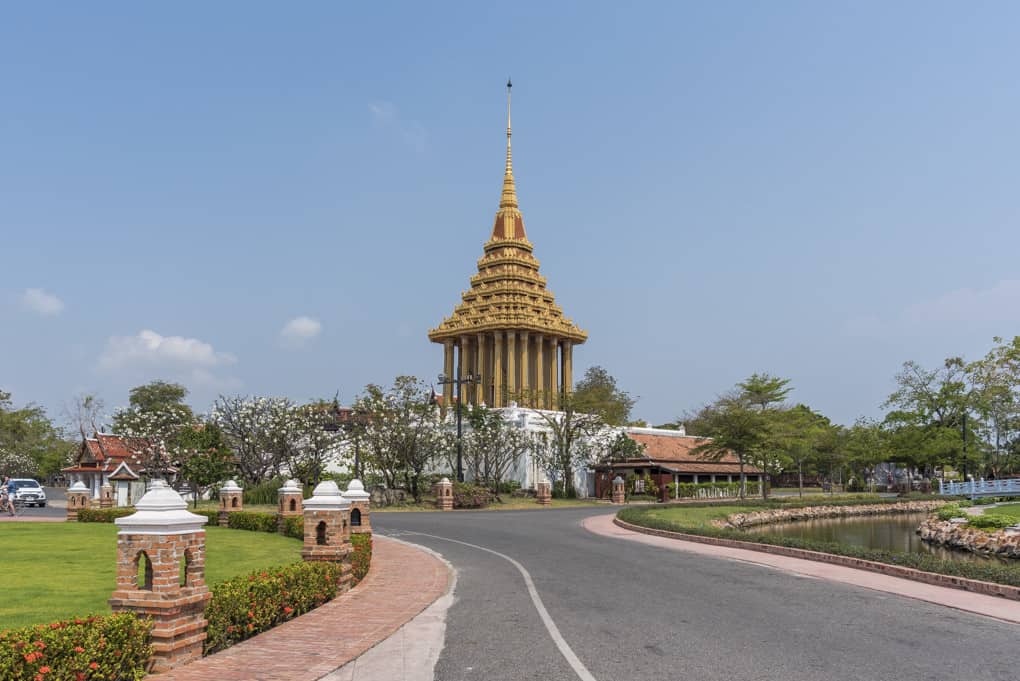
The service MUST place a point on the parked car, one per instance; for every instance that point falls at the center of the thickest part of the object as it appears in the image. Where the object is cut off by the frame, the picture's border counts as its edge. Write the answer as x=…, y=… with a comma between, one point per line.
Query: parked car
x=28, y=492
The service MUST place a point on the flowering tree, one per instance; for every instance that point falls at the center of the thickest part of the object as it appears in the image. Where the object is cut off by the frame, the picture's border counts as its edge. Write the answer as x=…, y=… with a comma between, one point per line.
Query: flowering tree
x=317, y=445
x=263, y=433
x=493, y=447
x=571, y=440
x=403, y=433
x=155, y=435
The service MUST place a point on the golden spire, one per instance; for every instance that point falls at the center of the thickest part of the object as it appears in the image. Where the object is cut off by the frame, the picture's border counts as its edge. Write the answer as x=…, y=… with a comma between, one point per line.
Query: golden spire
x=509, y=198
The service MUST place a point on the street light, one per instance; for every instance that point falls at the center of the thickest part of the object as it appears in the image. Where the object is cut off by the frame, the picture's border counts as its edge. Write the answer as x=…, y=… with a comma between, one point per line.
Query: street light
x=348, y=420
x=469, y=379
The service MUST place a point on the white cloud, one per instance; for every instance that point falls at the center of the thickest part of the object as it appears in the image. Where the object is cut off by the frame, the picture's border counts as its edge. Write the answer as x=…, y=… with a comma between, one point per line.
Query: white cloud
x=412, y=132
x=41, y=302
x=300, y=330
x=149, y=349
x=1000, y=303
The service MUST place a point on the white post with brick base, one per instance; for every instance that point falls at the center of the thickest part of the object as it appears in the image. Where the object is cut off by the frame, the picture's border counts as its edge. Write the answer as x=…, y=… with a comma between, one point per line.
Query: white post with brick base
x=619, y=490
x=161, y=574
x=328, y=531
x=77, y=499
x=231, y=501
x=543, y=494
x=360, y=502
x=106, y=495
x=444, y=495
x=290, y=501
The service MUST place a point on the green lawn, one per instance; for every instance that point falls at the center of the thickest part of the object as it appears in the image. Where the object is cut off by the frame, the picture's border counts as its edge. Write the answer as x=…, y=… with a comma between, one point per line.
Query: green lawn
x=1011, y=510
x=52, y=571
x=680, y=517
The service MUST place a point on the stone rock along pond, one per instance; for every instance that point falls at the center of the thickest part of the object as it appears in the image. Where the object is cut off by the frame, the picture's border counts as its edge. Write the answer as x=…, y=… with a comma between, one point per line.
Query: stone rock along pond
x=897, y=533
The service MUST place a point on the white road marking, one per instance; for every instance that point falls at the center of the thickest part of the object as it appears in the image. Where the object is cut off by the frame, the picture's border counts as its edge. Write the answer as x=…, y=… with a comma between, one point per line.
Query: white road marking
x=572, y=659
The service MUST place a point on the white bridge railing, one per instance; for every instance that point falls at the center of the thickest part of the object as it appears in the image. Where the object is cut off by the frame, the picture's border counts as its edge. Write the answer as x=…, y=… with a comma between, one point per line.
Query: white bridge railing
x=981, y=488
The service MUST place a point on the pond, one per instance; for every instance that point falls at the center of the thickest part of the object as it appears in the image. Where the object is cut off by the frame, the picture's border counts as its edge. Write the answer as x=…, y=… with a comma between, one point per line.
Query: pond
x=897, y=533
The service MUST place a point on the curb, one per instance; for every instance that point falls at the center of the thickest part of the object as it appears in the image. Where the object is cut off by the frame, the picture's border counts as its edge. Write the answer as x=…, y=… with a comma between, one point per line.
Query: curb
x=933, y=578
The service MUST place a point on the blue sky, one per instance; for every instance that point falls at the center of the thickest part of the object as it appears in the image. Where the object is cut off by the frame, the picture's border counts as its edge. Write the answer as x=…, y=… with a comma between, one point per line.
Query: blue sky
x=282, y=199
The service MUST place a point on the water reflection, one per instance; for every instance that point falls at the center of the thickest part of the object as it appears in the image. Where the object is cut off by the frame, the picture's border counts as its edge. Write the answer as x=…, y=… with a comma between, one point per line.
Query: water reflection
x=892, y=533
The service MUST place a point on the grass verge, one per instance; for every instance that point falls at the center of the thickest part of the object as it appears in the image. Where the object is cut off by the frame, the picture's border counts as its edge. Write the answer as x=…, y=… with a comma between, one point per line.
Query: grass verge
x=695, y=519
x=52, y=571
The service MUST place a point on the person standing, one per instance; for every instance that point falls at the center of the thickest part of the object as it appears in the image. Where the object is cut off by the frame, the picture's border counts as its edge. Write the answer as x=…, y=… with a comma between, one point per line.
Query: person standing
x=8, y=495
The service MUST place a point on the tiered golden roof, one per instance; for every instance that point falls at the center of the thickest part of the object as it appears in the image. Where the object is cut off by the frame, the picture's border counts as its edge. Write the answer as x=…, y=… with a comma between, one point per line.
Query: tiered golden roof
x=508, y=293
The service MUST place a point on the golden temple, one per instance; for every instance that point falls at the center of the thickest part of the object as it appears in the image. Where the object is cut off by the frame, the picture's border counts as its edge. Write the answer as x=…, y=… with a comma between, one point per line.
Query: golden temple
x=508, y=328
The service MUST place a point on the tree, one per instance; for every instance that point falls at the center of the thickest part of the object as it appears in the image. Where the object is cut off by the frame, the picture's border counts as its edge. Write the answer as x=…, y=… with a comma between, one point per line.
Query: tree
x=404, y=434
x=83, y=413
x=206, y=458
x=764, y=391
x=572, y=439
x=493, y=447
x=157, y=395
x=735, y=427
x=318, y=444
x=995, y=381
x=263, y=433
x=159, y=435
x=597, y=393
x=30, y=444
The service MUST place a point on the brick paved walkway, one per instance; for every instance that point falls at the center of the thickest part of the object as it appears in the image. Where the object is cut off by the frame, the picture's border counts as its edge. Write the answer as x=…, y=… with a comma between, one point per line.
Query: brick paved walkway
x=403, y=581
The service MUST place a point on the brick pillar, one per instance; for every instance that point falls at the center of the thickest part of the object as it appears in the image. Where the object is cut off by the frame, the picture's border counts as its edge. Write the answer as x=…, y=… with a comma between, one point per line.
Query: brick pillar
x=444, y=495
x=231, y=501
x=360, y=502
x=544, y=496
x=290, y=502
x=161, y=574
x=77, y=498
x=619, y=490
x=106, y=495
x=328, y=531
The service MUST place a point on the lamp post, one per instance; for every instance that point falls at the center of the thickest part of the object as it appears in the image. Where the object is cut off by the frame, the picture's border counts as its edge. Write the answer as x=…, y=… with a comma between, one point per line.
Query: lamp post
x=469, y=379
x=349, y=420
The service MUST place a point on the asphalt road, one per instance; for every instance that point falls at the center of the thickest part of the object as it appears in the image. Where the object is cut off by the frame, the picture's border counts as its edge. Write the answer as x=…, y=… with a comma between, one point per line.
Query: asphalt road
x=630, y=611
x=56, y=505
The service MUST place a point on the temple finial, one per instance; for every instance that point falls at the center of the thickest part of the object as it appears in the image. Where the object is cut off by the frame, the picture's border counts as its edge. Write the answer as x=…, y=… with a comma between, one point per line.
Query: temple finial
x=509, y=191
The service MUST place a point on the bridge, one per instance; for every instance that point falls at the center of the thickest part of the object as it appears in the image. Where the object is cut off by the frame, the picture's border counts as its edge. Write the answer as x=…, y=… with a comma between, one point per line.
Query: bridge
x=981, y=488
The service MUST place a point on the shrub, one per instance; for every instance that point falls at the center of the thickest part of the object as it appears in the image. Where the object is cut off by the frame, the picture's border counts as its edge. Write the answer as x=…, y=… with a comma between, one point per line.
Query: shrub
x=466, y=495
x=294, y=526
x=361, y=558
x=245, y=606
x=949, y=512
x=264, y=492
x=252, y=521
x=103, y=515
x=212, y=514
x=117, y=645
x=990, y=521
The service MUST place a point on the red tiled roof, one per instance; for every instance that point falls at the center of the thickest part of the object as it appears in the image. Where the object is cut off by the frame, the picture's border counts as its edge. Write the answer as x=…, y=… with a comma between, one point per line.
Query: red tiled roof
x=676, y=451
x=108, y=451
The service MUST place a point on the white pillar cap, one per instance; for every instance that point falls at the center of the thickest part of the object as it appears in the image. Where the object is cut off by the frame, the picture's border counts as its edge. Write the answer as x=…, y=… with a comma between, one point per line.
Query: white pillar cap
x=161, y=511
x=356, y=491
x=78, y=487
x=291, y=486
x=326, y=497
x=231, y=486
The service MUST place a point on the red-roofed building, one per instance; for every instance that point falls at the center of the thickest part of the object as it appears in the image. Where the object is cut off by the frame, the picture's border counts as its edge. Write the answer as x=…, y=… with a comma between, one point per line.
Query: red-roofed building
x=111, y=458
x=668, y=457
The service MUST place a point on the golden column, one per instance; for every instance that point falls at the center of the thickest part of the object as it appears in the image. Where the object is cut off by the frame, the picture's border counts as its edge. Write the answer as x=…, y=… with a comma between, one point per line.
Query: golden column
x=525, y=385
x=448, y=371
x=483, y=371
x=462, y=364
x=511, y=365
x=554, y=374
x=497, y=370
x=568, y=367
x=539, y=371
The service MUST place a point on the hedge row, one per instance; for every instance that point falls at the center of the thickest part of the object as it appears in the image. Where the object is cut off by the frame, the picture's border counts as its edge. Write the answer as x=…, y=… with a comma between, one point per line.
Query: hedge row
x=467, y=495
x=252, y=521
x=361, y=557
x=989, y=572
x=245, y=606
x=97, y=648
x=103, y=515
